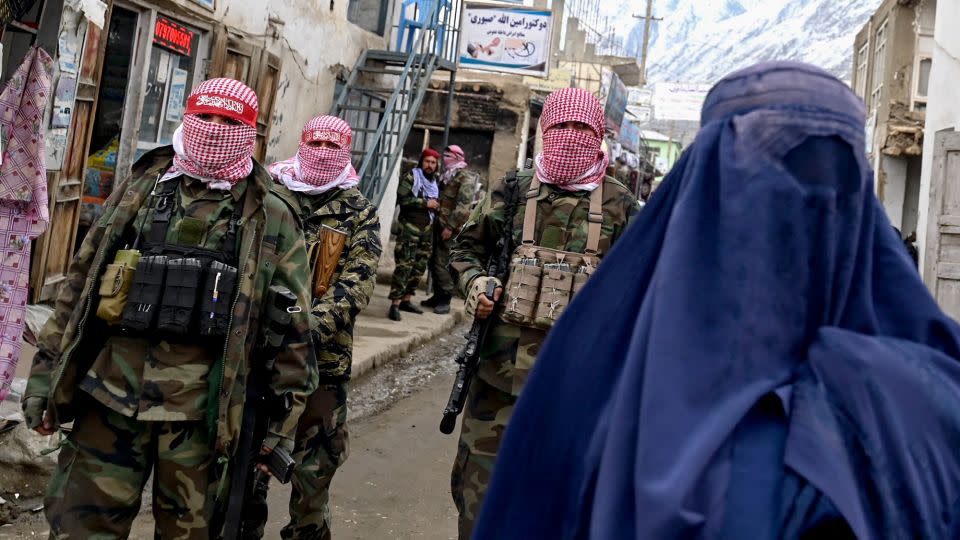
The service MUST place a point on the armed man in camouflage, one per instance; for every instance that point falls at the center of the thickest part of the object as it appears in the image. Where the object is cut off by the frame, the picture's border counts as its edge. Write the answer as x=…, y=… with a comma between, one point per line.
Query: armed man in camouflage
x=149, y=354
x=568, y=172
x=458, y=187
x=343, y=233
x=418, y=197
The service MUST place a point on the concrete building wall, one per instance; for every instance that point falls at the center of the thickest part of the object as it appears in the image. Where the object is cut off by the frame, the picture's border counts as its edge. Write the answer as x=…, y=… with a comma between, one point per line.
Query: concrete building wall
x=315, y=42
x=943, y=110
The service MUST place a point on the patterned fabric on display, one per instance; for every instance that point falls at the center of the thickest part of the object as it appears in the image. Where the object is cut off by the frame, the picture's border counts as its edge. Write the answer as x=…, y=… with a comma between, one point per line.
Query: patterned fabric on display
x=23, y=198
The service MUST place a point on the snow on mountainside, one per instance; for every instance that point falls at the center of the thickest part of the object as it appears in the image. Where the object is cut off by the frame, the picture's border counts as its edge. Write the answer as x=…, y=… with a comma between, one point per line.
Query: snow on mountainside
x=702, y=40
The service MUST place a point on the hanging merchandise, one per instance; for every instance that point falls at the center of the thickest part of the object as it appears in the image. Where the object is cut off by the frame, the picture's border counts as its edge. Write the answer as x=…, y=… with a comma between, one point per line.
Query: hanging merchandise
x=23, y=198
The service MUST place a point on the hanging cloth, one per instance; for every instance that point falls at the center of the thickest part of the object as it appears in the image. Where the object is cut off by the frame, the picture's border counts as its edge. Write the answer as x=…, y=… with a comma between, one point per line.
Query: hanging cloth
x=23, y=198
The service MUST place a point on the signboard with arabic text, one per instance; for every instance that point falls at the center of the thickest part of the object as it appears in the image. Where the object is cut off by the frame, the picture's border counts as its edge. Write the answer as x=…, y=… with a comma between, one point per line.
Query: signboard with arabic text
x=505, y=39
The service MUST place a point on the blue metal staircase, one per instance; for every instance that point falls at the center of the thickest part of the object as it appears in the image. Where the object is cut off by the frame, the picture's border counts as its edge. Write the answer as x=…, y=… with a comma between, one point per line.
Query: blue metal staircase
x=384, y=92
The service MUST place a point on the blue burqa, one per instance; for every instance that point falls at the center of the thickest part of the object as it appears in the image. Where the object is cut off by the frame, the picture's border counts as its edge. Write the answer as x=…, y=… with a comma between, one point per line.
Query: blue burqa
x=756, y=358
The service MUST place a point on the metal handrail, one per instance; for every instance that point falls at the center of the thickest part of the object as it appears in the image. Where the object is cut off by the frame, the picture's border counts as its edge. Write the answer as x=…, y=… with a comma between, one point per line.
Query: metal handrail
x=400, y=110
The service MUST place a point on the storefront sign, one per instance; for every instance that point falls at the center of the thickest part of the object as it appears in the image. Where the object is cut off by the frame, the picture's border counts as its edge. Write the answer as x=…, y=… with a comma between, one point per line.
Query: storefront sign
x=679, y=101
x=173, y=36
x=630, y=136
x=505, y=39
x=615, y=102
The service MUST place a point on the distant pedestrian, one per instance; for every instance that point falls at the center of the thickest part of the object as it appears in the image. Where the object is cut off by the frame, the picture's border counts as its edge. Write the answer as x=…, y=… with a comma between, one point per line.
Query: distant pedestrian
x=646, y=189
x=418, y=197
x=756, y=359
x=458, y=186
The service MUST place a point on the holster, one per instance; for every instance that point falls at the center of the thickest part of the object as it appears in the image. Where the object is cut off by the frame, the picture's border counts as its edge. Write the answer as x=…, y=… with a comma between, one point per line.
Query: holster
x=325, y=254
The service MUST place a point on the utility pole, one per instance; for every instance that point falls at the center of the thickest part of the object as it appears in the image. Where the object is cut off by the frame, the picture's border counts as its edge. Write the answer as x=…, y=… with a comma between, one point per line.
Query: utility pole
x=648, y=21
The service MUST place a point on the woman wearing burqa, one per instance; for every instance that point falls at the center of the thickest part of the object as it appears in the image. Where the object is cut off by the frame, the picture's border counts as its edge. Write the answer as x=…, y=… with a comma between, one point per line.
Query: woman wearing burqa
x=757, y=358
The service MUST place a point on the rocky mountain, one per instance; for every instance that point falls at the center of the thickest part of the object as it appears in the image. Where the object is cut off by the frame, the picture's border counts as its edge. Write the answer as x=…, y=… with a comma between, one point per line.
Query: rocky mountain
x=702, y=40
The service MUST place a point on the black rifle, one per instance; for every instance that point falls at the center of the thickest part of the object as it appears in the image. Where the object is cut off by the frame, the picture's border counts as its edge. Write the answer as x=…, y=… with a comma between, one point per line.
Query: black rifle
x=469, y=356
x=262, y=407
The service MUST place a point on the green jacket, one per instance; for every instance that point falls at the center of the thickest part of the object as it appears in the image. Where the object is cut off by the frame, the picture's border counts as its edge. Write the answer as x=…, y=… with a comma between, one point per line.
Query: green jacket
x=413, y=208
x=456, y=199
x=509, y=351
x=272, y=252
x=351, y=286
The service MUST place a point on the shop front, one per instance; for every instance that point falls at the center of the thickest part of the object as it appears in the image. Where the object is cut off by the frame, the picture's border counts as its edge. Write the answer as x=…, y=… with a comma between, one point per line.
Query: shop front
x=135, y=76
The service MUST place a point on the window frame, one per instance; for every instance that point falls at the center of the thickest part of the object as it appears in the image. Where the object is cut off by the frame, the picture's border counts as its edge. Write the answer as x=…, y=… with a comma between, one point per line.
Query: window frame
x=879, y=63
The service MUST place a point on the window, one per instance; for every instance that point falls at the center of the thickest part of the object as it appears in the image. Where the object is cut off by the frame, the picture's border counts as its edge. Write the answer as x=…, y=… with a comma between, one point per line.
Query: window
x=173, y=66
x=370, y=15
x=879, y=65
x=862, y=60
x=922, y=84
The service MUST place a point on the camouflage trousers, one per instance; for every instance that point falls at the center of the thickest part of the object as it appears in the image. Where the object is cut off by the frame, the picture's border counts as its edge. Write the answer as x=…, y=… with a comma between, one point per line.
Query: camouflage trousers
x=484, y=422
x=322, y=446
x=104, y=464
x=443, y=280
x=411, y=255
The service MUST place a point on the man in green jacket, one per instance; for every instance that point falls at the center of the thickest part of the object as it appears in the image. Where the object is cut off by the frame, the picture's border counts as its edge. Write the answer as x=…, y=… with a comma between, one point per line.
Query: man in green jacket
x=458, y=187
x=418, y=197
x=155, y=383
x=343, y=235
x=558, y=193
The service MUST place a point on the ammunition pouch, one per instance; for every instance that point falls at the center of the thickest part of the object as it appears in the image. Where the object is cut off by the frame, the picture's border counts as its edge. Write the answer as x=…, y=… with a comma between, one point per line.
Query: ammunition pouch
x=177, y=308
x=215, y=299
x=140, y=313
x=543, y=281
x=176, y=292
x=115, y=285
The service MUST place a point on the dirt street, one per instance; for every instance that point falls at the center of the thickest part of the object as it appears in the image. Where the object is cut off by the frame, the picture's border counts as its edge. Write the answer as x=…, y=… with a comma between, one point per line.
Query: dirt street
x=396, y=482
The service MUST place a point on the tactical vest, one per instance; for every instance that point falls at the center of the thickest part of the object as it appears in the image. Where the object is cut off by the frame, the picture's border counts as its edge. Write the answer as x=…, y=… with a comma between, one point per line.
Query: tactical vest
x=175, y=291
x=542, y=280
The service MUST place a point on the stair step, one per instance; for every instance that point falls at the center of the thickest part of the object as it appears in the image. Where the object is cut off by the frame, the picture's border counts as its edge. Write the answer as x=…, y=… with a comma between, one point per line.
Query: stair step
x=379, y=90
x=374, y=130
x=364, y=109
x=380, y=70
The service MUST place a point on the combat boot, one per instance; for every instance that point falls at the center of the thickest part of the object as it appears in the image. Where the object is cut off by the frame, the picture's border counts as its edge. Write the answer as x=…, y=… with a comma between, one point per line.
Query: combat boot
x=394, y=314
x=408, y=306
x=443, y=304
x=431, y=302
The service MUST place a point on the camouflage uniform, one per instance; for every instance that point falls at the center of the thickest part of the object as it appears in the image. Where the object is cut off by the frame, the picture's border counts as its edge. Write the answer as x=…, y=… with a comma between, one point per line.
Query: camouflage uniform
x=322, y=443
x=413, y=241
x=153, y=406
x=456, y=203
x=509, y=351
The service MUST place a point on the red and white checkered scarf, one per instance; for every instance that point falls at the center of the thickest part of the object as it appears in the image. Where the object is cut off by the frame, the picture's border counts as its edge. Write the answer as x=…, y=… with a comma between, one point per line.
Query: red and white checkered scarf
x=572, y=160
x=219, y=155
x=316, y=170
x=454, y=161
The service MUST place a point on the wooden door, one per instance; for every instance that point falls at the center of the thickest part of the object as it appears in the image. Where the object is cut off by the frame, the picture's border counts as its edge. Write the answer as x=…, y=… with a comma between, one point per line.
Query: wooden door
x=55, y=249
x=268, y=80
x=942, y=253
x=235, y=57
